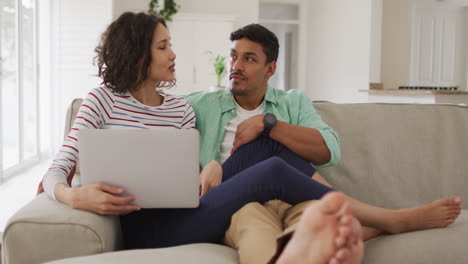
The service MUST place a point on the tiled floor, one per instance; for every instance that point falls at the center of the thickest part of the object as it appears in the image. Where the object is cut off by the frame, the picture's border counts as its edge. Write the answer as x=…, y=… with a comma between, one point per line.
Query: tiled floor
x=19, y=190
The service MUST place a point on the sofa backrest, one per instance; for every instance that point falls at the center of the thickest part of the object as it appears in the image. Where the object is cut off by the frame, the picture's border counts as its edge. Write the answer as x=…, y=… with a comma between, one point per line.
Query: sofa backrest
x=392, y=155
x=399, y=155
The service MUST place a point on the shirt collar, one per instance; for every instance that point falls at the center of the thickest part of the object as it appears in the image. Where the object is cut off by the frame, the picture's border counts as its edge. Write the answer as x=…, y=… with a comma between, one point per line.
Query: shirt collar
x=227, y=101
x=270, y=95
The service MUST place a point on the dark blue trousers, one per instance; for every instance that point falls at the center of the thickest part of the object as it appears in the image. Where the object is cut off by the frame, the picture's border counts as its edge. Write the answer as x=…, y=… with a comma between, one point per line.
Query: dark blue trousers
x=260, y=171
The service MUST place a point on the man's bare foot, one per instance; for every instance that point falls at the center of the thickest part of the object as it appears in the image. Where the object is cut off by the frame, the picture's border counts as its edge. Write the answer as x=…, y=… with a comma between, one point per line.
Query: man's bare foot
x=326, y=233
x=439, y=213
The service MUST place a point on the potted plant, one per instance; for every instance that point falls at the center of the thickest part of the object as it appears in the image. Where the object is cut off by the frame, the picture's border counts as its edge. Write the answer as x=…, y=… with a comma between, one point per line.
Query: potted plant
x=170, y=8
x=220, y=69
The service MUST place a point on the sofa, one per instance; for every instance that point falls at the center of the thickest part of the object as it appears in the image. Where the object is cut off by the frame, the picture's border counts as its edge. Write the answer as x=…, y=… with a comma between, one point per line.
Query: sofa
x=393, y=155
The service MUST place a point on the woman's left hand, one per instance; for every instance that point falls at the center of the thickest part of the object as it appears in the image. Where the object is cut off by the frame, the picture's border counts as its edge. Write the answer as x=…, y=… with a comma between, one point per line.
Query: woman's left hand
x=210, y=177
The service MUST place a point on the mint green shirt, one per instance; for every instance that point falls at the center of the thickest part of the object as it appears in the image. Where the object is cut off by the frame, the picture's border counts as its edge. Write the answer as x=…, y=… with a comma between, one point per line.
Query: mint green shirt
x=215, y=109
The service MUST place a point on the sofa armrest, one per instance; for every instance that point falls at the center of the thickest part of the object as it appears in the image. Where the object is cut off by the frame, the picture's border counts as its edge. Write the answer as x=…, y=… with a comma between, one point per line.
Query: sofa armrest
x=45, y=230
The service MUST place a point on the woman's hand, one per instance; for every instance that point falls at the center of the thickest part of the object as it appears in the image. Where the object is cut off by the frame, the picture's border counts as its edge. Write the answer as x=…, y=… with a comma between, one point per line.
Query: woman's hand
x=97, y=198
x=210, y=177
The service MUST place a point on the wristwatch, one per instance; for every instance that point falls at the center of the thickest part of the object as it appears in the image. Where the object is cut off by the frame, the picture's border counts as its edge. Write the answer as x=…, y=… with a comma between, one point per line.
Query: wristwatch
x=269, y=121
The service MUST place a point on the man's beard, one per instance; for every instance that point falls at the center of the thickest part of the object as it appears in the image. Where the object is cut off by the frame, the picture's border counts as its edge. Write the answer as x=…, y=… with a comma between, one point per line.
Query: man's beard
x=237, y=92
x=234, y=91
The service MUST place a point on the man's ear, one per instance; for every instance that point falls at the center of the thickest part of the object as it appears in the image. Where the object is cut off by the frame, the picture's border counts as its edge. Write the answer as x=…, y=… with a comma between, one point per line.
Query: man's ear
x=271, y=69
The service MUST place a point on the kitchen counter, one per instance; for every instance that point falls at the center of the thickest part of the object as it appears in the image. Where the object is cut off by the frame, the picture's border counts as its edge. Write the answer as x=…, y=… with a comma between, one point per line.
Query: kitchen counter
x=413, y=92
x=417, y=96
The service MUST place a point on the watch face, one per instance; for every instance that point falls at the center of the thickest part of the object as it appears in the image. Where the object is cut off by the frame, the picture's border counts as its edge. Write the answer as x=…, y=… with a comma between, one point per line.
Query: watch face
x=270, y=119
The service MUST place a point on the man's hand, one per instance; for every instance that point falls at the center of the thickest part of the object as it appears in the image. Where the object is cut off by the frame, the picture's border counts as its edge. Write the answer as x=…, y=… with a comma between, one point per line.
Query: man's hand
x=247, y=131
x=97, y=198
x=210, y=177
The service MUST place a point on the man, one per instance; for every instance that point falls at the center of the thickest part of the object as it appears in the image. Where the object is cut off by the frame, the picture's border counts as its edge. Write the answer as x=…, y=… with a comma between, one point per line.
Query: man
x=229, y=119
x=259, y=122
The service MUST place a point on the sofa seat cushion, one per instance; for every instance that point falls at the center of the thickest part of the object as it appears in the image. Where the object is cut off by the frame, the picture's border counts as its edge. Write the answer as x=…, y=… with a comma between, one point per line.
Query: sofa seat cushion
x=193, y=253
x=439, y=245
x=433, y=246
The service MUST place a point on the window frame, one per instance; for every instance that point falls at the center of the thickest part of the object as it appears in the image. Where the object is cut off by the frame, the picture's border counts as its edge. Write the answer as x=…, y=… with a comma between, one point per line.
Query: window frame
x=23, y=164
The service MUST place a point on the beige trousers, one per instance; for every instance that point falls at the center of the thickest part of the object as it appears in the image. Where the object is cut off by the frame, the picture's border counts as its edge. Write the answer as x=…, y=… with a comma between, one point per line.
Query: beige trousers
x=260, y=232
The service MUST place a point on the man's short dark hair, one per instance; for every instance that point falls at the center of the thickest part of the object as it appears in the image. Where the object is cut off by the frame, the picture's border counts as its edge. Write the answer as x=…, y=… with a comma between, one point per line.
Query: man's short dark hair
x=259, y=34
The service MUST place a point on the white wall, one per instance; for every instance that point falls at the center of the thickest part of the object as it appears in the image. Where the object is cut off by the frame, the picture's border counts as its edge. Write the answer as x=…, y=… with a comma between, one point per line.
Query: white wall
x=339, y=50
x=376, y=41
x=76, y=28
x=339, y=40
x=246, y=11
x=121, y=6
x=396, y=43
x=465, y=84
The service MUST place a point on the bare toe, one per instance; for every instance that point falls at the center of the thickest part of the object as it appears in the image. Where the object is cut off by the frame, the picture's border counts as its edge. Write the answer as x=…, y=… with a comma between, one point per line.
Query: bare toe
x=342, y=254
x=340, y=242
x=343, y=233
x=456, y=200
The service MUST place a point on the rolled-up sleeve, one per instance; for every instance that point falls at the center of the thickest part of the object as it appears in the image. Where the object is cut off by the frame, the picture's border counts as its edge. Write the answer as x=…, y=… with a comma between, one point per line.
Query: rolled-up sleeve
x=309, y=117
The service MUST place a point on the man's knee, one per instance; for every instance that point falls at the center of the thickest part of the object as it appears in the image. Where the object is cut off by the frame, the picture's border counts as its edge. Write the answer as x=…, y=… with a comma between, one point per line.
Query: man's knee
x=252, y=219
x=276, y=165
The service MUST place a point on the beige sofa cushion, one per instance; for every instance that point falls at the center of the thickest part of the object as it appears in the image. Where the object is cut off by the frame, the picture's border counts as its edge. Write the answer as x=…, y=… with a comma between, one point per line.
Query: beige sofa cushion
x=399, y=155
x=194, y=253
x=445, y=245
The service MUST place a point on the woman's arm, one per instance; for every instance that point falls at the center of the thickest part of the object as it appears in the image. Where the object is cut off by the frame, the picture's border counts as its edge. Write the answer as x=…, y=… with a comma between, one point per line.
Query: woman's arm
x=210, y=177
x=97, y=198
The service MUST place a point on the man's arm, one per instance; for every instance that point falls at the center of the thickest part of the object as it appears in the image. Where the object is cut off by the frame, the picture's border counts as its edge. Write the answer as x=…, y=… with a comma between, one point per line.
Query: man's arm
x=306, y=142
x=307, y=135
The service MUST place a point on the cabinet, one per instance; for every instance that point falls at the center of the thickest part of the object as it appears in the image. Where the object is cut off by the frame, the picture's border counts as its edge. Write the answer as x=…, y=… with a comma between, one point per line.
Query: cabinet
x=197, y=39
x=437, y=44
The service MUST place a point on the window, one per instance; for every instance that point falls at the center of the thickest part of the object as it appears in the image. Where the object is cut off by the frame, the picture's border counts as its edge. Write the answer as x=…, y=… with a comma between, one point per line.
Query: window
x=18, y=86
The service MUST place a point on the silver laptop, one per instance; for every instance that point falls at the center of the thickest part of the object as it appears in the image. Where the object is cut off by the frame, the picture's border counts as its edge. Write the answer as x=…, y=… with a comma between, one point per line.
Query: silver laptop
x=160, y=166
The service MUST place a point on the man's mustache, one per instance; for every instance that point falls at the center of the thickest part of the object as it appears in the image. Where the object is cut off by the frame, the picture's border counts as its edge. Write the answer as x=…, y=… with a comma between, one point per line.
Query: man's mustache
x=239, y=74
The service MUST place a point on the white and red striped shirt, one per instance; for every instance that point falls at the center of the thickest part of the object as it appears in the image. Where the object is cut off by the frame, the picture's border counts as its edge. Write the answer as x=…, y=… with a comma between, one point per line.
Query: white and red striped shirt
x=103, y=108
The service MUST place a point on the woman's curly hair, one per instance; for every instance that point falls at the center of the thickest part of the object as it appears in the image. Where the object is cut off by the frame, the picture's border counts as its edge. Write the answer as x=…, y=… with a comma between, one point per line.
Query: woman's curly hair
x=124, y=52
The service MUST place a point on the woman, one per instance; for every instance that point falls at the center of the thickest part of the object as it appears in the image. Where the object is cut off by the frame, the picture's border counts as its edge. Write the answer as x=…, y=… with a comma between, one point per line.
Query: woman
x=131, y=65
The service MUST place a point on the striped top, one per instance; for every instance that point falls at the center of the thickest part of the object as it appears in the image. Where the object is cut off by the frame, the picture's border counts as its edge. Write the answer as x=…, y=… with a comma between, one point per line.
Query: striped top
x=104, y=109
